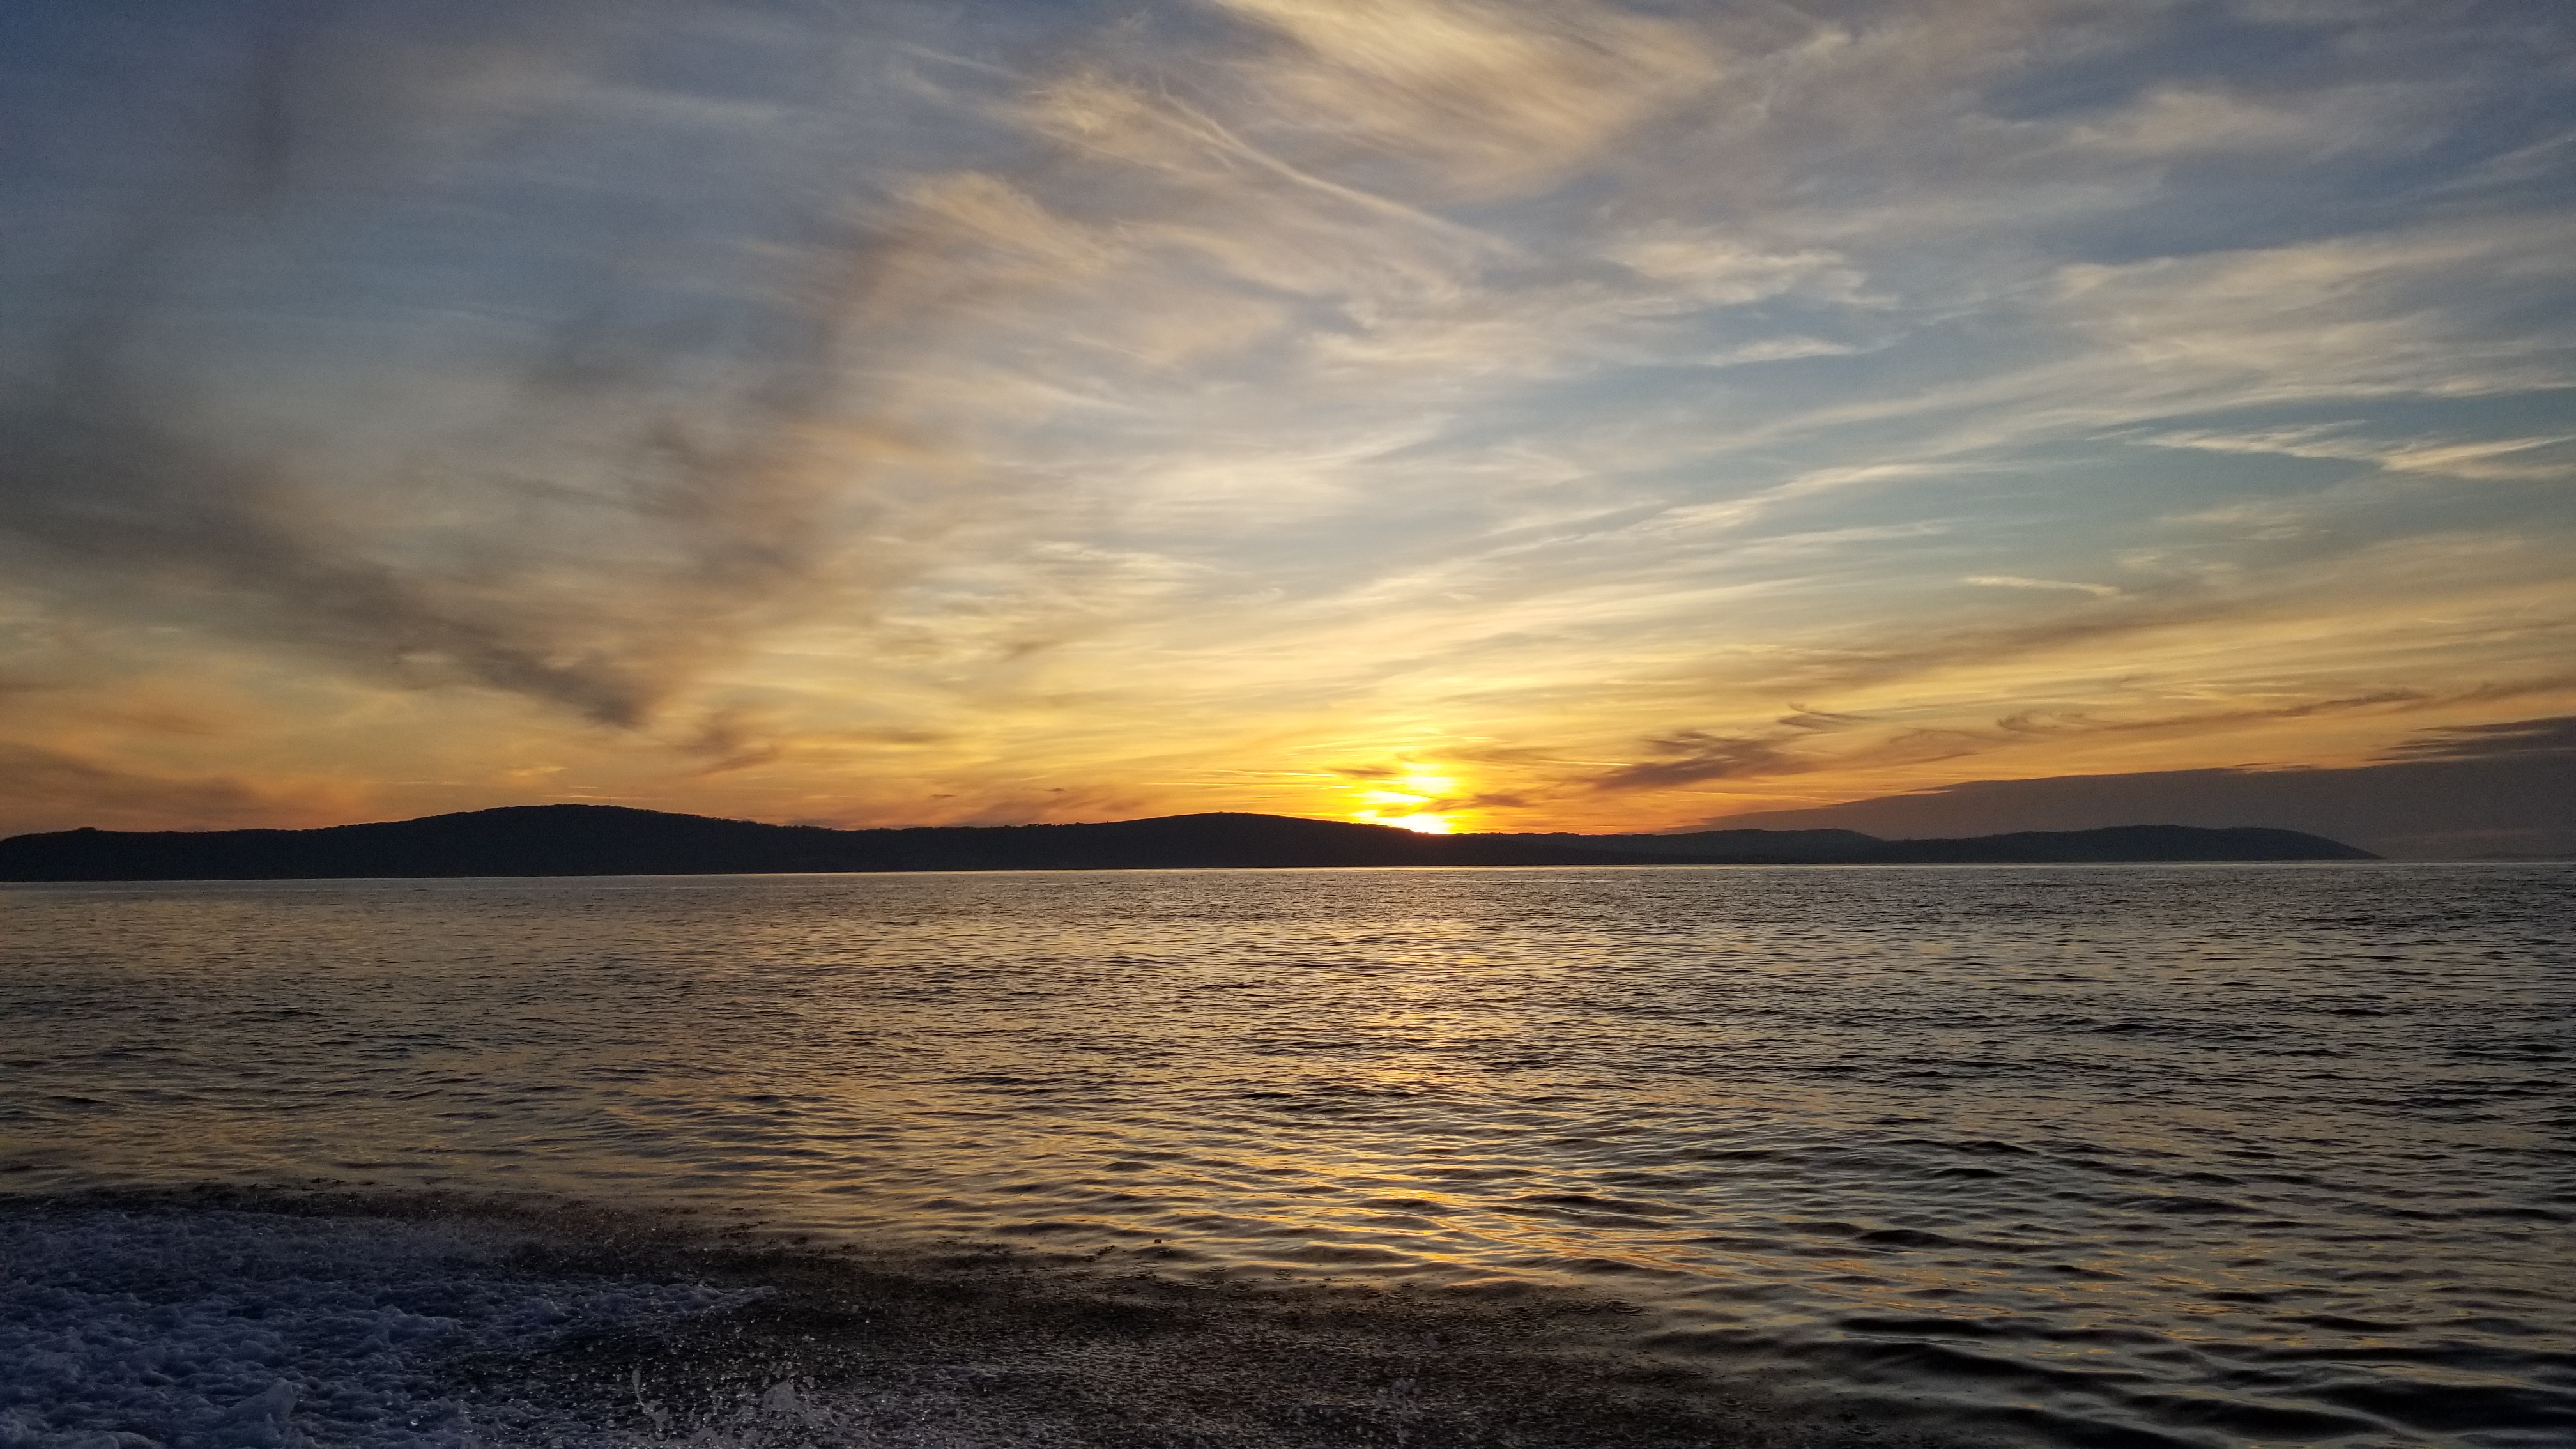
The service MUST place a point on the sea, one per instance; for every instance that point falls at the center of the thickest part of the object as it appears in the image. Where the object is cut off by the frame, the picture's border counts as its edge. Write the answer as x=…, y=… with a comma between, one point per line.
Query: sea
x=2077, y=1155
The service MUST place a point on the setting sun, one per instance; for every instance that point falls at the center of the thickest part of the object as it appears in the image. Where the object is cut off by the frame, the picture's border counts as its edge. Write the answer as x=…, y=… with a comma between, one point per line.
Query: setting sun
x=1425, y=824
x=1411, y=800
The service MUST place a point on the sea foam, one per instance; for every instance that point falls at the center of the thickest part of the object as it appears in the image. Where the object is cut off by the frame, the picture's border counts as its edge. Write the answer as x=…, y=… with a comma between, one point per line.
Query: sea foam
x=123, y=1327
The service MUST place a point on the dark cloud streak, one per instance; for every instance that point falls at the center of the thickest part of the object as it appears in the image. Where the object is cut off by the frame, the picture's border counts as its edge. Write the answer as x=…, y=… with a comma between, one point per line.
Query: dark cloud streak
x=709, y=513
x=2511, y=739
x=2476, y=790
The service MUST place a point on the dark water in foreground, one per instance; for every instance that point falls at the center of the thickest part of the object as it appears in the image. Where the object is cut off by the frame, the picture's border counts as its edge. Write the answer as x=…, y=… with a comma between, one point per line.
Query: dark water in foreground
x=2198, y=1155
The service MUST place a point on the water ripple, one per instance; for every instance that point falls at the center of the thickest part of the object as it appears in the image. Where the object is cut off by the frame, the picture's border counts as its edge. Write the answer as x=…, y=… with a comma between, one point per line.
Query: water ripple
x=2090, y=1155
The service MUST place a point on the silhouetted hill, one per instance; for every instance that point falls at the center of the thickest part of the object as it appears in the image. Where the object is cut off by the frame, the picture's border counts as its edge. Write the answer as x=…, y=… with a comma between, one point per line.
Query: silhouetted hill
x=1850, y=847
x=2126, y=842
x=613, y=840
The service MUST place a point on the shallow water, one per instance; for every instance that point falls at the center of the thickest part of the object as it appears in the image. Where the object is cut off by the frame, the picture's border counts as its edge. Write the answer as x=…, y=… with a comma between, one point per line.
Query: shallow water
x=2199, y=1155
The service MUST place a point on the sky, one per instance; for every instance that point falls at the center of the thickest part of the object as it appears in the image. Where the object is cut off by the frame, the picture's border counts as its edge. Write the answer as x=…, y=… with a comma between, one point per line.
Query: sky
x=1470, y=414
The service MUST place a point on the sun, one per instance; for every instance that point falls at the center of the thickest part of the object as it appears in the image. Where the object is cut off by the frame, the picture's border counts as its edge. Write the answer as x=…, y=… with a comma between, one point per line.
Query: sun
x=1405, y=801
x=1420, y=822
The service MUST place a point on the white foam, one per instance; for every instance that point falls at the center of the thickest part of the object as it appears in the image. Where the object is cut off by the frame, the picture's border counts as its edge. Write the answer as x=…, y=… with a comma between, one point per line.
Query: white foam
x=146, y=1329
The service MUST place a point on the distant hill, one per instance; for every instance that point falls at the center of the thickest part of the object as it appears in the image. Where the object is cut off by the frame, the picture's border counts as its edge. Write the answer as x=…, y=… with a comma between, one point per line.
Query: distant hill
x=541, y=840
x=614, y=840
x=2127, y=842
x=2118, y=843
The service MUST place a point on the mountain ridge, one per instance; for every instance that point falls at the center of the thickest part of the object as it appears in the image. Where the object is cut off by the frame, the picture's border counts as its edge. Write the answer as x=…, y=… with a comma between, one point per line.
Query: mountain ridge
x=569, y=840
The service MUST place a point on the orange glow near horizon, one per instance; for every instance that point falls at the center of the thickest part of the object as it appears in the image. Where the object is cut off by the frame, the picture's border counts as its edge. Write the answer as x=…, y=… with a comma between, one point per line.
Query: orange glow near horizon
x=1408, y=801
x=1294, y=405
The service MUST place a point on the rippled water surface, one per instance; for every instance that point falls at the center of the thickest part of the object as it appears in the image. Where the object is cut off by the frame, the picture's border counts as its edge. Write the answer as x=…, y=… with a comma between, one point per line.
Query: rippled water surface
x=2193, y=1154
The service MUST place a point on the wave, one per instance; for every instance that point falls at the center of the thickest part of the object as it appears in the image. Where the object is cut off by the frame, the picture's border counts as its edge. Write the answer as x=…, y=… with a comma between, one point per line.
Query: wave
x=233, y=1318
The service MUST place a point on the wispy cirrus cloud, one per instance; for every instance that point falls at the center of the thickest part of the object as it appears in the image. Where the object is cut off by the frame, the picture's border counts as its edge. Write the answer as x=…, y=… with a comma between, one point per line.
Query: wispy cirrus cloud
x=2015, y=581
x=824, y=413
x=2541, y=457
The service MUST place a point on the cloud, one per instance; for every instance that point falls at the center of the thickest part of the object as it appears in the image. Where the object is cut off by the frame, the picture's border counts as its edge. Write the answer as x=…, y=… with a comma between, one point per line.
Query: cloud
x=665, y=458
x=1793, y=746
x=2436, y=310
x=2510, y=739
x=62, y=790
x=828, y=407
x=2468, y=458
x=2010, y=581
x=1693, y=756
x=2432, y=797
x=1688, y=757
x=1726, y=271
x=1480, y=97
x=2173, y=122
